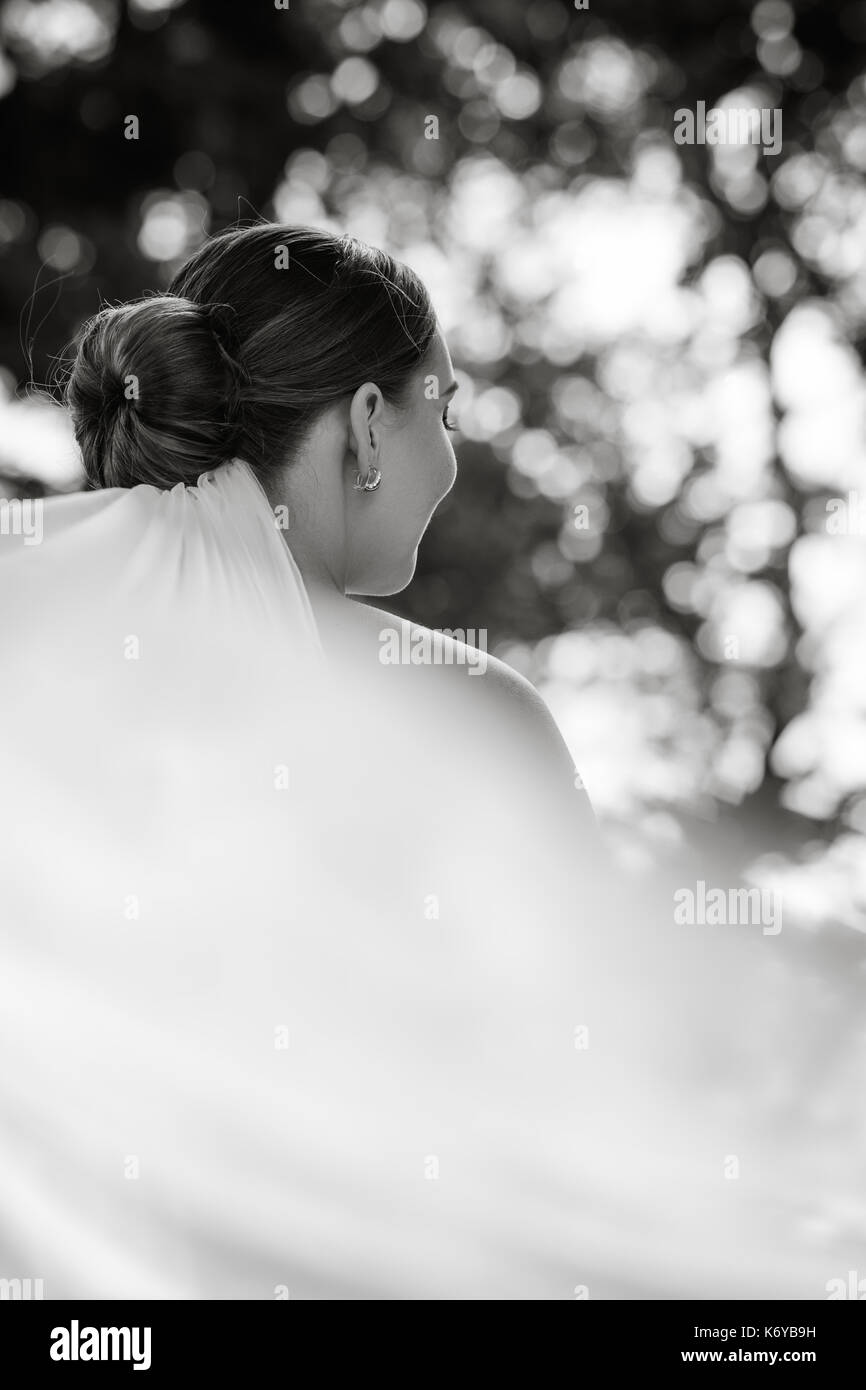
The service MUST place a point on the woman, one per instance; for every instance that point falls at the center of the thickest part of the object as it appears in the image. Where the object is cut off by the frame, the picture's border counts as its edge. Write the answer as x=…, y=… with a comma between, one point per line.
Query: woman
x=317, y=361
x=314, y=977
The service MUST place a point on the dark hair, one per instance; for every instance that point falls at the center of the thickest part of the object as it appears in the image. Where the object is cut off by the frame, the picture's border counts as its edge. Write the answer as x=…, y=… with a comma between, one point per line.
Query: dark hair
x=262, y=330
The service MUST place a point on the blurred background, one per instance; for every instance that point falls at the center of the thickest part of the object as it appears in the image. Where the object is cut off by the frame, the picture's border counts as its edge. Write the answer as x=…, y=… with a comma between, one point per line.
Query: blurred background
x=660, y=348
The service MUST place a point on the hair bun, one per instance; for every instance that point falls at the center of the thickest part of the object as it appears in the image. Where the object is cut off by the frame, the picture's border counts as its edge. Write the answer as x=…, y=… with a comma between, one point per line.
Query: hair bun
x=157, y=392
x=223, y=322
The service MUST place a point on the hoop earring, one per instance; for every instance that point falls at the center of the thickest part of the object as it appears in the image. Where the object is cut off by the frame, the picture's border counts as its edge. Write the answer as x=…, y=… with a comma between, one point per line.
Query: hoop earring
x=369, y=482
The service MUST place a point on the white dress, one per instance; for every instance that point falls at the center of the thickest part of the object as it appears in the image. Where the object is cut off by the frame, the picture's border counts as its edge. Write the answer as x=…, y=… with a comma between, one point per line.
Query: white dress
x=296, y=997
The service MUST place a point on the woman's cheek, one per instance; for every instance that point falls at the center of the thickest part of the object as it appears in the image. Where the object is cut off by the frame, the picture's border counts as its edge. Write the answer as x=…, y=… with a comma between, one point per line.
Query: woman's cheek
x=451, y=466
x=452, y=473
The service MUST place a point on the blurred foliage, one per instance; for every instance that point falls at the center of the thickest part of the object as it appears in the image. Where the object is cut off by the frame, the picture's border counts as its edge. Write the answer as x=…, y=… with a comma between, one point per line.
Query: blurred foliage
x=659, y=345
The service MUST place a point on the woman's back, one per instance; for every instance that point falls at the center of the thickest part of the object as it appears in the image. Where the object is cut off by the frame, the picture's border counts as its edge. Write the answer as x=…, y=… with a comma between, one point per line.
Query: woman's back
x=313, y=976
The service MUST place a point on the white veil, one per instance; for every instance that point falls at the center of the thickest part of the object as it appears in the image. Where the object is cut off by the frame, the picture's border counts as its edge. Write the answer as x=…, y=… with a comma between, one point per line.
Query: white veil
x=299, y=995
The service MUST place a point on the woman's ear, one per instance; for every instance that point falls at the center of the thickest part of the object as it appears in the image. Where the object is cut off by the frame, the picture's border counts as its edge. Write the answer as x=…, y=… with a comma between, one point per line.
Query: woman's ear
x=365, y=424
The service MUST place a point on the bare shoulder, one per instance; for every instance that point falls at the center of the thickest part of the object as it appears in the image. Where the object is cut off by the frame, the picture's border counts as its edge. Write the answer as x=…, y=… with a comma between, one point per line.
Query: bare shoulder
x=481, y=699
x=462, y=651
x=462, y=658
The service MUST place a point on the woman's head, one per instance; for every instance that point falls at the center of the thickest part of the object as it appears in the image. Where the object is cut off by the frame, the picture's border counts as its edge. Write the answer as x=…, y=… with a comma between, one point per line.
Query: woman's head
x=311, y=356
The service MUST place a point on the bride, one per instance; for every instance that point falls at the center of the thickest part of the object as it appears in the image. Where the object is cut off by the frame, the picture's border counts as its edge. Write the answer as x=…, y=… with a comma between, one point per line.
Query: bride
x=316, y=982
